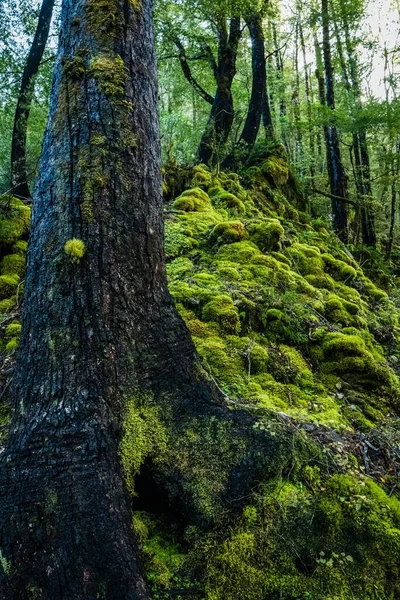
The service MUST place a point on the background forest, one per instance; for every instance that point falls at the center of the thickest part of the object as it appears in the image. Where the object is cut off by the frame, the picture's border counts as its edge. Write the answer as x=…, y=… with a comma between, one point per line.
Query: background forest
x=269, y=469
x=363, y=40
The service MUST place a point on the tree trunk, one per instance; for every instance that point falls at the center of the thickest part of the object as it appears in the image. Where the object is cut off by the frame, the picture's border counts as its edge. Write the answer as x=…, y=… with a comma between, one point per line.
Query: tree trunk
x=307, y=84
x=19, y=175
x=259, y=81
x=337, y=175
x=98, y=320
x=362, y=171
x=220, y=121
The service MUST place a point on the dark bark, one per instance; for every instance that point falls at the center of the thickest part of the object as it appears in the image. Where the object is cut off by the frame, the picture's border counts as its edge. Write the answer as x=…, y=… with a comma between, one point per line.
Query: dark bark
x=267, y=119
x=96, y=329
x=19, y=175
x=395, y=170
x=336, y=172
x=220, y=121
x=259, y=81
x=258, y=103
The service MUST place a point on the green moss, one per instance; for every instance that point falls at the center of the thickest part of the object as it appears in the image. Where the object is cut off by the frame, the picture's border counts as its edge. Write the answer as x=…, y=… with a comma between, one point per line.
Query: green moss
x=75, y=249
x=267, y=235
x=229, y=201
x=103, y=19
x=110, y=74
x=201, y=176
x=8, y=285
x=12, y=345
x=222, y=311
x=20, y=247
x=274, y=314
x=228, y=232
x=7, y=305
x=240, y=252
x=13, y=264
x=144, y=435
x=13, y=330
x=14, y=220
x=192, y=200
x=277, y=168
x=305, y=259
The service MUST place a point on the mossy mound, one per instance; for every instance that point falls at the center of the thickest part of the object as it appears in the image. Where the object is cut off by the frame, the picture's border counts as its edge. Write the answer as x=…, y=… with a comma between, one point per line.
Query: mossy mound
x=282, y=284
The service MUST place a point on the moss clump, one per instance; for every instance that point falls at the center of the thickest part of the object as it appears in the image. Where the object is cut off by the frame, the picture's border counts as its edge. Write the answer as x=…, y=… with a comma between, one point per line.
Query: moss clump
x=192, y=200
x=20, y=247
x=318, y=538
x=266, y=235
x=202, y=177
x=228, y=232
x=221, y=310
x=13, y=264
x=349, y=355
x=230, y=201
x=12, y=345
x=7, y=305
x=75, y=249
x=14, y=220
x=8, y=285
x=13, y=330
x=306, y=259
x=277, y=169
x=110, y=74
x=144, y=435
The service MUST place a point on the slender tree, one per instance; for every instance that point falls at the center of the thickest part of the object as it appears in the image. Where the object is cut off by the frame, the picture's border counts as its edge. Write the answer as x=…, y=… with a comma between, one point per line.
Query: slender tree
x=259, y=80
x=19, y=175
x=336, y=172
x=222, y=113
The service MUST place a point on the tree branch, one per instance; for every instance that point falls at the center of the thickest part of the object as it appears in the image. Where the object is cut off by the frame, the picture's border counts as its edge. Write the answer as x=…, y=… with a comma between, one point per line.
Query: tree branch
x=333, y=197
x=188, y=73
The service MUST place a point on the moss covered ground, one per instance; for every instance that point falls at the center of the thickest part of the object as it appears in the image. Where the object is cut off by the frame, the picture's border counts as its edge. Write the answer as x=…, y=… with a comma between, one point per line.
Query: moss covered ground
x=300, y=331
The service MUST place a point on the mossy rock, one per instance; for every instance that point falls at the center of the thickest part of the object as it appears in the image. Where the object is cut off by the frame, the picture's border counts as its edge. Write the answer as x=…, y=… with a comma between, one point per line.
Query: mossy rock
x=267, y=235
x=221, y=310
x=192, y=200
x=276, y=168
x=229, y=201
x=228, y=232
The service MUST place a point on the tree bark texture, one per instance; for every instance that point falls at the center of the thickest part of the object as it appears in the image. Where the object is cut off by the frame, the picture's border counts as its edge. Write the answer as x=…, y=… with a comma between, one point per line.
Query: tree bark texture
x=19, y=175
x=95, y=327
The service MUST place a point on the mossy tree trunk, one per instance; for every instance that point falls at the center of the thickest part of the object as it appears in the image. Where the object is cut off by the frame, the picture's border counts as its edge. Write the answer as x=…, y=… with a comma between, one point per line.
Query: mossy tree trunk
x=98, y=320
x=221, y=117
x=19, y=175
